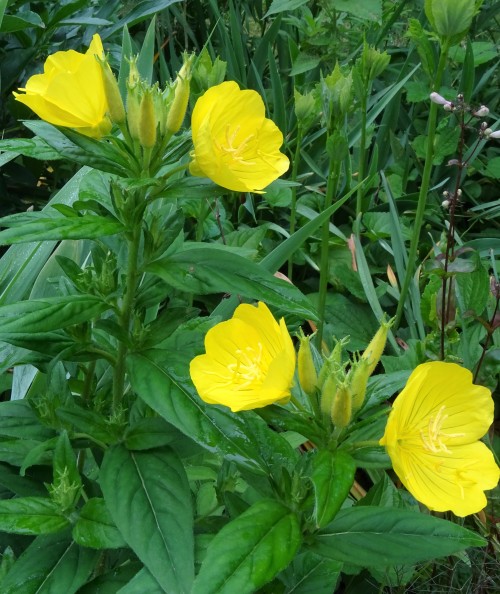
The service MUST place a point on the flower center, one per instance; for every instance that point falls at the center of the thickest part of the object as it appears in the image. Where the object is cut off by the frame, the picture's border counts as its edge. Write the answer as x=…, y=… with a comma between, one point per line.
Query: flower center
x=248, y=367
x=432, y=439
x=234, y=152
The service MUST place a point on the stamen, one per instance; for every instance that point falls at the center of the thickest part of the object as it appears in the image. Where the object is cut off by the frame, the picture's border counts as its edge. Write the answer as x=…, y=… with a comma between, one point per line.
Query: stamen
x=433, y=440
x=234, y=152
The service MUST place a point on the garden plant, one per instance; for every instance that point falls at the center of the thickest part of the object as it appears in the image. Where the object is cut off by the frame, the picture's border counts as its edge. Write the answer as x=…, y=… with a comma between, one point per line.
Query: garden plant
x=249, y=297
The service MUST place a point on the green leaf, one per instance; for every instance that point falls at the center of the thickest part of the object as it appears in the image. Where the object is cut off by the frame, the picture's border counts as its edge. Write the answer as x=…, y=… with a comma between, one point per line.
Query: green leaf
x=250, y=550
x=95, y=528
x=204, y=269
x=50, y=565
x=332, y=477
x=388, y=536
x=137, y=12
x=310, y=573
x=282, y=5
x=362, y=9
x=303, y=63
x=21, y=486
x=473, y=291
x=483, y=52
x=30, y=147
x=36, y=226
x=345, y=317
x=148, y=496
x=49, y=314
x=24, y=19
x=31, y=515
x=17, y=419
x=150, y=433
x=81, y=149
x=214, y=427
x=141, y=583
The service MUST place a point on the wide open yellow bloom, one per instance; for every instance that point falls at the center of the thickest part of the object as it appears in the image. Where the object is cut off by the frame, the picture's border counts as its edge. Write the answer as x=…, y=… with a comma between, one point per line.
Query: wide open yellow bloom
x=249, y=361
x=432, y=437
x=70, y=92
x=235, y=145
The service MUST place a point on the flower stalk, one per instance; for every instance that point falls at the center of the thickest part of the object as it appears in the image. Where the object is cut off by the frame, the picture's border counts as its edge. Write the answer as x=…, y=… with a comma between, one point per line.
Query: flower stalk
x=424, y=188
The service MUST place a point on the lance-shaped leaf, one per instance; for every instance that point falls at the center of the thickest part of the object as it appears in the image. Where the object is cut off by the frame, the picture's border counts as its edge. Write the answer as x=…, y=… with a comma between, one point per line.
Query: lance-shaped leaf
x=37, y=226
x=381, y=537
x=50, y=564
x=48, y=314
x=332, y=477
x=31, y=515
x=95, y=528
x=204, y=269
x=148, y=496
x=249, y=551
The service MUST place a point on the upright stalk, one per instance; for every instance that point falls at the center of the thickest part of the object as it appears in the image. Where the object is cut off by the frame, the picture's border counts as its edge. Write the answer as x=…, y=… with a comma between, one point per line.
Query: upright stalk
x=362, y=154
x=293, y=207
x=424, y=189
x=331, y=190
x=125, y=315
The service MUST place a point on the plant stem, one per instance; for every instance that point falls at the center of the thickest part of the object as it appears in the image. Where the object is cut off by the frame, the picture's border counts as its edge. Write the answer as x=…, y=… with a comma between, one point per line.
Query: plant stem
x=125, y=317
x=331, y=190
x=424, y=189
x=293, y=207
x=362, y=155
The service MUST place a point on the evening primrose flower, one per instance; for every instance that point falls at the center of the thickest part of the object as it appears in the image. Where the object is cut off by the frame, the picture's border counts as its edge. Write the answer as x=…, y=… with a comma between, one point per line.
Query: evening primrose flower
x=249, y=361
x=432, y=437
x=70, y=92
x=235, y=145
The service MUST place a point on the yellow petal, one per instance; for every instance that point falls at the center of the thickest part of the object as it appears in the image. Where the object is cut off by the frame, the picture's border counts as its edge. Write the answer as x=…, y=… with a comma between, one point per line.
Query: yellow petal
x=234, y=144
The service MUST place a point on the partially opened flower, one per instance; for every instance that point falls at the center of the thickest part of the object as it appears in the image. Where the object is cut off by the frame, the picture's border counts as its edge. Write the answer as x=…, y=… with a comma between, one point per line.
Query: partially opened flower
x=432, y=437
x=70, y=92
x=249, y=361
x=235, y=145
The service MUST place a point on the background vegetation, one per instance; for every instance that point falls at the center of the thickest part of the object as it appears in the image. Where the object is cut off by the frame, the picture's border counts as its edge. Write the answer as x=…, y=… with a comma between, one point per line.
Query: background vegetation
x=283, y=50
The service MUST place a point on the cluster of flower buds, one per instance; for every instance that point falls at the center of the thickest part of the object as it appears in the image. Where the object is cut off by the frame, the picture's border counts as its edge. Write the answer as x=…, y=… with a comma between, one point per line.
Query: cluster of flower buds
x=149, y=113
x=342, y=392
x=449, y=198
x=460, y=105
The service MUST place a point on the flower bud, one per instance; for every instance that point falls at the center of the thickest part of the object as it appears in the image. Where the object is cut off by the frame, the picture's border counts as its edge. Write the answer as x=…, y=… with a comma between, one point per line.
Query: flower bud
x=358, y=380
x=341, y=412
x=179, y=104
x=440, y=100
x=328, y=392
x=147, y=120
x=308, y=377
x=374, y=350
x=481, y=112
x=333, y=363
x=113, y=96
x=495, y=134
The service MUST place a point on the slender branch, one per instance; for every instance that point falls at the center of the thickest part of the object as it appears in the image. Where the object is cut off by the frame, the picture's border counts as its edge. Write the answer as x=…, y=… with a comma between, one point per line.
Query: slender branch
x=424, y=190
x=293, y=207
x=331, y=190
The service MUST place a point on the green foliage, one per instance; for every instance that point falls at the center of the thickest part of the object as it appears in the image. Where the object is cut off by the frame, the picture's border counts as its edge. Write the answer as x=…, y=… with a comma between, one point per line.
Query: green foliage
x=115, y=476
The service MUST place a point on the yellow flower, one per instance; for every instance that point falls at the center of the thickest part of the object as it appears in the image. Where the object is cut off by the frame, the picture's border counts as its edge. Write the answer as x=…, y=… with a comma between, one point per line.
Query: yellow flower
x=432, y=437
x=249, y=361
x=235, y=145
x=70, y=92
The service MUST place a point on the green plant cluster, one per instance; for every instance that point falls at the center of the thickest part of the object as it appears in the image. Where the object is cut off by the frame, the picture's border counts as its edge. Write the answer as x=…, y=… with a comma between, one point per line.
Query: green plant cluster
x=114, y=476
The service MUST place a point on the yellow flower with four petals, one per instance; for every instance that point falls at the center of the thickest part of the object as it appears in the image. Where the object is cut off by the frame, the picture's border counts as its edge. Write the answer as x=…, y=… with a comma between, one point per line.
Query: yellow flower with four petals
x=249, y=361
x=432, y=437
x=235, y=145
